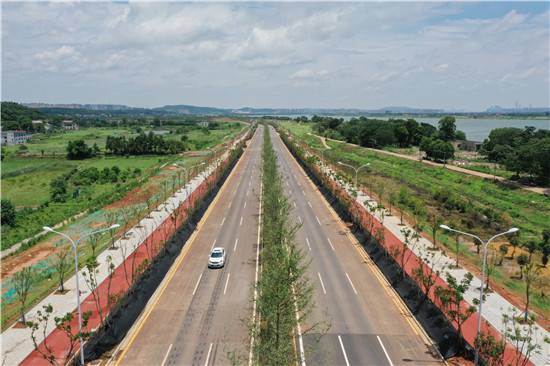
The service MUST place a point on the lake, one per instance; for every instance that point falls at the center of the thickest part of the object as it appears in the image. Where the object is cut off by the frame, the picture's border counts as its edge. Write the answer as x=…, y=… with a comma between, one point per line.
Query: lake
x=478, y=129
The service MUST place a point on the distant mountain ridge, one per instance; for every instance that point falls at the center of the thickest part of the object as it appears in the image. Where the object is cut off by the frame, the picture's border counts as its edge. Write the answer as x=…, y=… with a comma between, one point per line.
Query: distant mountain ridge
x=184, y=109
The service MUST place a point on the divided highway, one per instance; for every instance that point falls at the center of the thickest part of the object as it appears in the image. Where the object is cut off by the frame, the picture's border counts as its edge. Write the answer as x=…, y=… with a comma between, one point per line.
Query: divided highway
x=367, y=323
x=198, y=315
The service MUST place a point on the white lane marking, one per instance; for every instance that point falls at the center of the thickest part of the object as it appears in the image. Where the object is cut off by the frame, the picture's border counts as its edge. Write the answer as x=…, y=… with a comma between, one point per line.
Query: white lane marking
x=208, y=355
x=257, y=268
x=351, y=283
x=343, y=350
x=294, y=203
x=241, y=224
x=223, y=220
x=166, y=356
x=384, y=349
x=236, y=242
x=214, y=243
x=300, y=219
x=247, y=192
x=226, y=282
x=332, y=246
x=244, y=204
x=250, y=182
x=309, y=246
x=304, y=193
x=309, y=204
x=318, y=221
x=197, y=285
x=322, y=284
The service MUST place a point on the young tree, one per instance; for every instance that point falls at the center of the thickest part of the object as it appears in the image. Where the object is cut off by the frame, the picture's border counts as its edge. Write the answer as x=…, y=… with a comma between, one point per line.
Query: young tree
x=490, y=349
x=531, y=274
x=392, y=200
x=61, y=263
x=93, y=240
x=457, y=249
x=522, y=335
x=110, y=219
x=502, y=250
x=425, y=275
x=90, y=278
x=514, y=242
x=451, y=298
x=531, y=246
x=435, y=221
x=23, y=281
x=522, y=260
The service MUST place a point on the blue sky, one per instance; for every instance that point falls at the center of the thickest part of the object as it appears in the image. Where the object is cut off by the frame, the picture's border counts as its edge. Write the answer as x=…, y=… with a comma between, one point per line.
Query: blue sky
x=352, y=55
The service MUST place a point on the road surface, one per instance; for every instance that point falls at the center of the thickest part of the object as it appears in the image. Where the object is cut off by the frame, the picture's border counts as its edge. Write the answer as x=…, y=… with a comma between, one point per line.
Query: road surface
x=367, y=323
x=200, y=315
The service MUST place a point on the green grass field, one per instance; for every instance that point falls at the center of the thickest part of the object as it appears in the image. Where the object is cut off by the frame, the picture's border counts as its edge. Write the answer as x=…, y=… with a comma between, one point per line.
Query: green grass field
x=26, y=177
x=511, y=207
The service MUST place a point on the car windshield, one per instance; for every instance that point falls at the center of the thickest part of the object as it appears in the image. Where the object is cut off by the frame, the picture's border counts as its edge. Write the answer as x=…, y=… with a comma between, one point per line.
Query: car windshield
x=216, y=254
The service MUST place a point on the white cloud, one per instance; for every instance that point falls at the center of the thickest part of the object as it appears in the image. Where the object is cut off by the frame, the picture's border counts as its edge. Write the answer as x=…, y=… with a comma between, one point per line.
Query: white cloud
x=234, y=54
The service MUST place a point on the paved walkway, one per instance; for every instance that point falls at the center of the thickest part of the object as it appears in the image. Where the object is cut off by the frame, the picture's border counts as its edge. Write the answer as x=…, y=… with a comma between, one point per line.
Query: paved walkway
x=17, y=343
x=493, y=307
x=539, y=190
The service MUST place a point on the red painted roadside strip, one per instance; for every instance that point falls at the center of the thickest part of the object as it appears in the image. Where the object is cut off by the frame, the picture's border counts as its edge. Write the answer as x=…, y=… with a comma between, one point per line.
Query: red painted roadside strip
x=57, y=340
x=392, y=242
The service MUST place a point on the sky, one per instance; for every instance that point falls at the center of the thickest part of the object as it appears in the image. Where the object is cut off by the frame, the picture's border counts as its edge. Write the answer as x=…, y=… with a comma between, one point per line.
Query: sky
x=460, y=55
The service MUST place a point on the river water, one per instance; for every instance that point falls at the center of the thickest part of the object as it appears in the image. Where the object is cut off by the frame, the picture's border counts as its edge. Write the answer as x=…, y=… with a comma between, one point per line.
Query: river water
x=478, y=129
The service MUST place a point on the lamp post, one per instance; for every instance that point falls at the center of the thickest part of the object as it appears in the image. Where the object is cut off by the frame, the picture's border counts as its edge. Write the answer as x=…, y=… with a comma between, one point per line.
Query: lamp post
x=355, y=169
x=75, y=250
x=485, y=245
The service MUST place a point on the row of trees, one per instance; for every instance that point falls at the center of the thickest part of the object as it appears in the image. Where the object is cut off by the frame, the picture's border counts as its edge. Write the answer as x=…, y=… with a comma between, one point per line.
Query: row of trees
x=520, y=150
x=519, y=328
x=284, y=298
x=79, y=150
x=143, y=144
x=380, y=133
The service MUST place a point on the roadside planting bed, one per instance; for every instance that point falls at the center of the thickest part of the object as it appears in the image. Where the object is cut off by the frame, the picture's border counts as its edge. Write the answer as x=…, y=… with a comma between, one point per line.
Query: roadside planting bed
x=380, y=243
x=466, y=202
x=149, y=262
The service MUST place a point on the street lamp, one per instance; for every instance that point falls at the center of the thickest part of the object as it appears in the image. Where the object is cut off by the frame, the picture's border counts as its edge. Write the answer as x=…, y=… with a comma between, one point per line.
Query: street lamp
x=75, y=245
x=355, y=169
x=485, y=245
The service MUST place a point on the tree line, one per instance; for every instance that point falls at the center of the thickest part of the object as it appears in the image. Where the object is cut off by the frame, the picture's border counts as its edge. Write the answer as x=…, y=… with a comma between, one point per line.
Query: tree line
x=143, y=144
x=520, y=150
x=284, y=290
x=376, y=133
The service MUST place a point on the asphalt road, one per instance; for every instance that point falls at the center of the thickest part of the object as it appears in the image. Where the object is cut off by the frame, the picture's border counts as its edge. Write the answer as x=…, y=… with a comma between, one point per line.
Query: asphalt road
x=199, y=315
x=357, y=319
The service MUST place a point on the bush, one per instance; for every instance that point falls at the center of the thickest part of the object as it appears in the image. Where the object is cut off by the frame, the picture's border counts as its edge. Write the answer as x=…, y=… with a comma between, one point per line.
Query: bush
x=8, y=214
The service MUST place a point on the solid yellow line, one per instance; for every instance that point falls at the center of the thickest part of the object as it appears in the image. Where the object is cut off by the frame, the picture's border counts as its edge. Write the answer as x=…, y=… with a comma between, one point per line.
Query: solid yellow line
x=175, y=267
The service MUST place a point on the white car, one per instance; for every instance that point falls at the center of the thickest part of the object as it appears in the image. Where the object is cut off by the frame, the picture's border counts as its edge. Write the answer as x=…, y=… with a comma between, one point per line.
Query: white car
x=217, y=258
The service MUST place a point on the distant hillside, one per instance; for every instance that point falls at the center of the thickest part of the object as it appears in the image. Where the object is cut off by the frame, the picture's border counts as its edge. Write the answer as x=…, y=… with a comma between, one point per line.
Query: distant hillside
x=191, y=109
x=16, y=116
